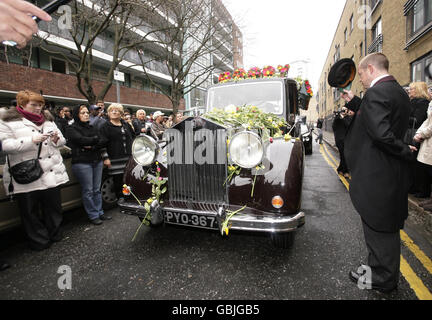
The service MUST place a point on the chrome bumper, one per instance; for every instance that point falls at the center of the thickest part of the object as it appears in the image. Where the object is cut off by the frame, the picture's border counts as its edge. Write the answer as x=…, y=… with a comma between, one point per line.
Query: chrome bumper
x=241, y=221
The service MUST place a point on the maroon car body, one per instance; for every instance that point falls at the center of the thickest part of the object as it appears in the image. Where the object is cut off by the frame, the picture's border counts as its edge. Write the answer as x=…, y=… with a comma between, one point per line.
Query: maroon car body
x=200, y=195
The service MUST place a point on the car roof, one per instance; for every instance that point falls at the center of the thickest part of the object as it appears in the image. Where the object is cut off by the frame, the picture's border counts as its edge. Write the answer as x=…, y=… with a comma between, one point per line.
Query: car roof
x=230, y=83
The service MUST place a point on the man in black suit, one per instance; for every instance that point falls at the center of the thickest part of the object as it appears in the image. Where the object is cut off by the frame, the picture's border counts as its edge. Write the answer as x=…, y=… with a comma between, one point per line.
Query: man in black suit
x=379, y=164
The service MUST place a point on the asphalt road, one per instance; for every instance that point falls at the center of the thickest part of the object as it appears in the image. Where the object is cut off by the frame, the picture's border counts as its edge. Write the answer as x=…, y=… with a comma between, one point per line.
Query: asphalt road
x=176, y=263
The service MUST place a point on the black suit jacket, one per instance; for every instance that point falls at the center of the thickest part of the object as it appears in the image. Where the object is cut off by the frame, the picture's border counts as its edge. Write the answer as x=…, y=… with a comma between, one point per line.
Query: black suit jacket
x=377, y=157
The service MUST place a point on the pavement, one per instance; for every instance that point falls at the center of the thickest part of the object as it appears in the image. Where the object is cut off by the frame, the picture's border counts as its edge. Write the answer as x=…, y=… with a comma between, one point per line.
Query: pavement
x=418, y=215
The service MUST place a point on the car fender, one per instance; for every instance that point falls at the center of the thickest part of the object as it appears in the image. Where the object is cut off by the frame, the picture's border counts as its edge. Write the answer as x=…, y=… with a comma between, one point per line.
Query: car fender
x=282, y=176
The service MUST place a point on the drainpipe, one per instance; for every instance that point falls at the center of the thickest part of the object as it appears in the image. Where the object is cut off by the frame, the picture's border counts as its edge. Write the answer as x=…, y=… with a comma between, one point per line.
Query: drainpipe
x=365, y=29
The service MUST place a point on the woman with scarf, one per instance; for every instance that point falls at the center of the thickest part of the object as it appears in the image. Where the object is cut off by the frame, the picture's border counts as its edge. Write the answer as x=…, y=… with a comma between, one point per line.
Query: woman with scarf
x=23, y=129
x=87, y=165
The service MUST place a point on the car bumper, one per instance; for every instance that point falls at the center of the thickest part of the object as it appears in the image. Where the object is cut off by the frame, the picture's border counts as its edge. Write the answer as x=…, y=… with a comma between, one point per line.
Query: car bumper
x=241, y=221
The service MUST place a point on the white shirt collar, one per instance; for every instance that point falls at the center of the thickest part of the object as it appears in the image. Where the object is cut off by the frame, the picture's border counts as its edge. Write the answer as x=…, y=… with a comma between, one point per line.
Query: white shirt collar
x=378, y=79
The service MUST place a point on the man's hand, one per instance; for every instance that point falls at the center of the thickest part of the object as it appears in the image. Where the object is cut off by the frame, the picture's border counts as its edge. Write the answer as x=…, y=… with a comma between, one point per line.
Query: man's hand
x=347, y=95
x=413, y=149
x=16, y=23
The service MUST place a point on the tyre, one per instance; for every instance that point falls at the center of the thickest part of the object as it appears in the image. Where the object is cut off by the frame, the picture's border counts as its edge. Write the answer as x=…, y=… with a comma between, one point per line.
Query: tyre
x=282, y=240
x=109, y=197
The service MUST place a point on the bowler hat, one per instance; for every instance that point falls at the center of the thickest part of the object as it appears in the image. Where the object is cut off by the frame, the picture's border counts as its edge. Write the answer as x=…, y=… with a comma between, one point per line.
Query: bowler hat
x=342, y=74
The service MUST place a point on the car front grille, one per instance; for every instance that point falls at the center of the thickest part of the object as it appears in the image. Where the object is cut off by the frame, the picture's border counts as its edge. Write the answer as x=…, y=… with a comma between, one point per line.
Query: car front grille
x=194, y=181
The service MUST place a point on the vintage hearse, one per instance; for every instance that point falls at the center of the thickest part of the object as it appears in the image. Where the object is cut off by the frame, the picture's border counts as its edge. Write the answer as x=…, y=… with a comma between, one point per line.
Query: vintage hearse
x=222, y=176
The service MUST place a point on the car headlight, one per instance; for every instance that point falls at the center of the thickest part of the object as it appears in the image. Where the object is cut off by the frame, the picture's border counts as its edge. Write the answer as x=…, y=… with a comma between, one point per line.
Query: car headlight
x=144, y=150
x=246, y=149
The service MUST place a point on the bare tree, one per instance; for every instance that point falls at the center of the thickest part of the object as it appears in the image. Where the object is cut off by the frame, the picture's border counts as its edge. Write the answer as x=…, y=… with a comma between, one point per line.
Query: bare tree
x=120, y=19
x=188, y=33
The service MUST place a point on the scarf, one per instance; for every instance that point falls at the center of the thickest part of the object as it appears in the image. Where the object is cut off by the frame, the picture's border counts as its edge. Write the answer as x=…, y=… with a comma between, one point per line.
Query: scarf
x=37, y=119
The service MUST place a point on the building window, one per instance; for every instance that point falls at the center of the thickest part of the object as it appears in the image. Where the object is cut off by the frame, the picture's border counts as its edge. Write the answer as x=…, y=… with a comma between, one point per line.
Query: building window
x=346, y=35
x=377, y=29
x=337, y=54
x=418, y=69
x=58, y=65
x=419, y=18
x=352, y=23
x=374, y=4
x=361, y=49
x=377, y=38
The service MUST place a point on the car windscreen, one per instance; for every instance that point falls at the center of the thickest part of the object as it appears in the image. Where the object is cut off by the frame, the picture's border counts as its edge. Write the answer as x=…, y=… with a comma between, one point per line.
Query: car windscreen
x=268, y=96
x=304, y=129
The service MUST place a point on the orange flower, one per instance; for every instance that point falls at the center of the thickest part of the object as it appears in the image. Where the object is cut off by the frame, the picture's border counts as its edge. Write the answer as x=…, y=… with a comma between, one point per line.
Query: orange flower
x=126, y=190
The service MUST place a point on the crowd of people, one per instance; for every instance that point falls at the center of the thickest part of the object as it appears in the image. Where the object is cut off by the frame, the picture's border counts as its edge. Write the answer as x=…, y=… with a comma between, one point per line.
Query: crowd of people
x=420, y=98
x=97, y=139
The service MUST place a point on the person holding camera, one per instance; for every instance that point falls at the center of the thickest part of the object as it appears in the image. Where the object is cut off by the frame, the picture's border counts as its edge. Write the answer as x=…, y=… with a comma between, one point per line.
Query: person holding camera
x=16, y=23
x=27, y=134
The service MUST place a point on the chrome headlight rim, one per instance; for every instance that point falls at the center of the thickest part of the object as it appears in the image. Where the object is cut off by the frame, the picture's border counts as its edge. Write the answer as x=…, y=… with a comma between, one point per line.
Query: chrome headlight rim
x=152, y=143
x=255, y=135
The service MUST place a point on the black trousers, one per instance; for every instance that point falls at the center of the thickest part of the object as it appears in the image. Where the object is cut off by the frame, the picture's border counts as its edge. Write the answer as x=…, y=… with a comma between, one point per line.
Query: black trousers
x=41, y=215
x=384, y=256
x=343, y=167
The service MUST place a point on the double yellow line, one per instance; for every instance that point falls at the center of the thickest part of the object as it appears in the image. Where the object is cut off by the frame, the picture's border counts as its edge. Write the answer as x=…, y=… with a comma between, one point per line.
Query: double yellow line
x=411, y=277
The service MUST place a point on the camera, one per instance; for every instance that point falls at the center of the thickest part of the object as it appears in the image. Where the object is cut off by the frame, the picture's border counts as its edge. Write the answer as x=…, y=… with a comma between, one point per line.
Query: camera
x=338, y=114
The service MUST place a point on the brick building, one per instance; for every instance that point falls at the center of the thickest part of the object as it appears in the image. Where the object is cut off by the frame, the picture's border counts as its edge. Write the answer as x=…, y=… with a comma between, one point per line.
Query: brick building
x=51, y=75
x=400, y=29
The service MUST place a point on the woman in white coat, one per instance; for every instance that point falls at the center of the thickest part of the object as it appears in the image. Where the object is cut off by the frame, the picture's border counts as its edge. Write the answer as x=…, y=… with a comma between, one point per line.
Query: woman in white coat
x=22, y=130
x=424, y=136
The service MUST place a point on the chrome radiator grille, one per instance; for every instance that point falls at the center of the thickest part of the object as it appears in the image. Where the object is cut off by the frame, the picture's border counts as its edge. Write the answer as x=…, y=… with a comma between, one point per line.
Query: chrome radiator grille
x=194, y=181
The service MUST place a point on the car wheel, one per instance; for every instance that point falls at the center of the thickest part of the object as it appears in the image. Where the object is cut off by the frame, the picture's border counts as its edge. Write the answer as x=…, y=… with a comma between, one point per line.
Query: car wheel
x=109, y=198
x=283, y=241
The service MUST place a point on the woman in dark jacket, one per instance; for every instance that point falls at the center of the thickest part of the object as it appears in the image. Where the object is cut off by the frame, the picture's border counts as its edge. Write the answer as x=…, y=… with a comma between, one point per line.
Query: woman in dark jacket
x=418, y=94
x=87, y=164
x=118, y=136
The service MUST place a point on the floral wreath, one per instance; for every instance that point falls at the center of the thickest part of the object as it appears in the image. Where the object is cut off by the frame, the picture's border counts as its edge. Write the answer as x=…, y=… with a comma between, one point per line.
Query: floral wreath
x=308, y=88
x=254, y=73
x=239, y=73
x=224, y=77
x=283, y=70
x=269, y=71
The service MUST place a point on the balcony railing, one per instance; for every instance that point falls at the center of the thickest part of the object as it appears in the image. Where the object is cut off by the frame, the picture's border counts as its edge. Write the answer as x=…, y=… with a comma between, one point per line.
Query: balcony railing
x=377, y=45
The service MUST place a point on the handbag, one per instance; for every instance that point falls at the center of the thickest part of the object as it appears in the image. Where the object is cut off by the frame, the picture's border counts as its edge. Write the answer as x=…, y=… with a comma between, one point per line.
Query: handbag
x=25, y=172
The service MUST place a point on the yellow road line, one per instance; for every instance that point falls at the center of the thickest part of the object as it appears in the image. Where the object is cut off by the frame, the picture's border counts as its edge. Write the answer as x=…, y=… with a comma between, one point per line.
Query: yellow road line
x=342, y=178
x=330, y=155
x=410, y=276
x=414, y=281
x=420, y=255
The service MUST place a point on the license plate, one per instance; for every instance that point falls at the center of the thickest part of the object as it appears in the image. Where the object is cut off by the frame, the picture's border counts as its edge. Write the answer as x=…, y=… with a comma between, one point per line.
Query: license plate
x=194, y=220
